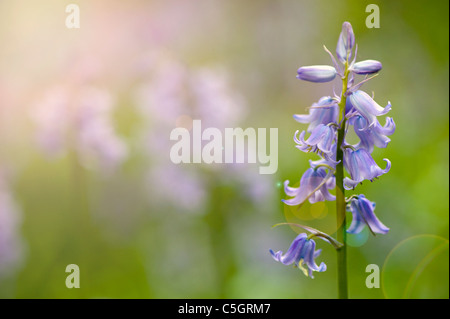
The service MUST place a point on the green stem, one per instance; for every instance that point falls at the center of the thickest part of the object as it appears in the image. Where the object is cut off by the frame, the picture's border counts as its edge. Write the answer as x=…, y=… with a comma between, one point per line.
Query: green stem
x=340, y=196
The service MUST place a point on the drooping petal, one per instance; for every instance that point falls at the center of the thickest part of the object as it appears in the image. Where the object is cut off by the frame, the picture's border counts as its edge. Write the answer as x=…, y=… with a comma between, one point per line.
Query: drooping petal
x=316, y=197
x=301, y=253
x=361, y=166
x=327, y=160
x=349, y=183
x=302, y=118
x=372, y=136
x=388, y=128
x=325, y=111
x=352, y=166
x=367, y=107
x=358, y=223
x=363, y=215
x=293, y=252
x=299, y=193
x=310, y=180
x=298, y=139
x=299, y=197
x=326, y=193
x=330, y=184
x=309, y=258
x=325, y=143
x=378, y=171
x=320, y=140
x=367, y=210
x=290, y=191
x=316, y=135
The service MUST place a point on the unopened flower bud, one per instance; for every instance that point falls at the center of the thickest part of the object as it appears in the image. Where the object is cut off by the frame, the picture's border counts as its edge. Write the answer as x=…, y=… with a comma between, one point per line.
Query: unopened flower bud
x=366, y=67
x=316, y=73
x=346, y=42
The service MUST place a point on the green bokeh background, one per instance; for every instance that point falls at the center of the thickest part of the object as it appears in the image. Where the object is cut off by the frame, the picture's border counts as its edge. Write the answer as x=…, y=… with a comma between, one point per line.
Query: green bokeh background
x=124, y=253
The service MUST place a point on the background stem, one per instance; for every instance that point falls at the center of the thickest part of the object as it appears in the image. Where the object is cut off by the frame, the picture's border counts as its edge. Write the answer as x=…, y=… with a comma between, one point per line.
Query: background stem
x=220, y=240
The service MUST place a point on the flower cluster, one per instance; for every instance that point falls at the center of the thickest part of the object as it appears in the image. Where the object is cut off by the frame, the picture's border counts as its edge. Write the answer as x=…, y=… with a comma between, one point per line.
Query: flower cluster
x=330, y=118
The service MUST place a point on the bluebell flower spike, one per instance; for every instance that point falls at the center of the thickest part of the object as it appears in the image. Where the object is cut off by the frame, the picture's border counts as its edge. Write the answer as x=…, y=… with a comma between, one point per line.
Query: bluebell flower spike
x=329, y=121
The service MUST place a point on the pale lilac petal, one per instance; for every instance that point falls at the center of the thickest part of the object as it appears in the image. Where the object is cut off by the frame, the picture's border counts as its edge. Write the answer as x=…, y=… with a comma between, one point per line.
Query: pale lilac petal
x=320, y=141
x=323, y=112
x=367, y=107
x=302, y=118
x=363, y=215
x=388, y=128
x=358, y=223
x=309, y=259
x=290, y=191
x=367, y=210
x=310, y=180
x=349, y=183
x=372, y=136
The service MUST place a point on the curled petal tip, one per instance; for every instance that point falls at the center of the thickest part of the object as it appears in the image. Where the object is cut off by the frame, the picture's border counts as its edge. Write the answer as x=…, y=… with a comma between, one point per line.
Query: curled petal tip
x=388, y=165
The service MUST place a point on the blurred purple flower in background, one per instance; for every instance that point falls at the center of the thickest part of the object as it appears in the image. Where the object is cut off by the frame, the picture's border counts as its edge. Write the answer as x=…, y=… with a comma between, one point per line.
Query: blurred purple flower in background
x=79, y=119
x=174, y=95
x=177, y=187
x=11, y=248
